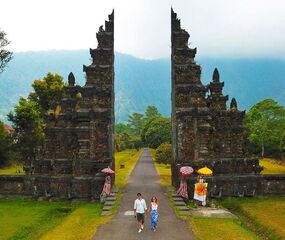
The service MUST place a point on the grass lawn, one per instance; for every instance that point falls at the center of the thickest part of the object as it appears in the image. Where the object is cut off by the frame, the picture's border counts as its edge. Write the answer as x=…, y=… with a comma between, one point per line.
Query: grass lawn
x=81, y=223
x=264, y=215
x=29, y=219
x=12, y=170
x=219, y=228
x=164, y=171
x=271, y=166
x=128, y=160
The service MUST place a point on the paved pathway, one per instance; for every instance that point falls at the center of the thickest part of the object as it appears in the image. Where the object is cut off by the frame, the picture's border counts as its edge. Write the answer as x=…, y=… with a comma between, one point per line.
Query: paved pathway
x=144, y=179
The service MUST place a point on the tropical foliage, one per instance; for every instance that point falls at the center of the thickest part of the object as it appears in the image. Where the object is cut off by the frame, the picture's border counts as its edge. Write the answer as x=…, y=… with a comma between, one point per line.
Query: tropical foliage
x=156, y=131
x=163, y=153
x=265, y=123
x=28, y=116
x=5, y=145
x=5, y=55
x=149, y=129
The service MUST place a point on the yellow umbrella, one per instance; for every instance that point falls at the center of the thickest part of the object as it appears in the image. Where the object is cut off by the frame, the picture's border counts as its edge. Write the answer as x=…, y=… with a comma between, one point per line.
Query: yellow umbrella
x=205, y=171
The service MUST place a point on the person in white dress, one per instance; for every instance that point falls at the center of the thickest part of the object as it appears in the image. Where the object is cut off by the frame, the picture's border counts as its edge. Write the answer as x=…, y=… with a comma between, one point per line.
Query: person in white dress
x=154, y=212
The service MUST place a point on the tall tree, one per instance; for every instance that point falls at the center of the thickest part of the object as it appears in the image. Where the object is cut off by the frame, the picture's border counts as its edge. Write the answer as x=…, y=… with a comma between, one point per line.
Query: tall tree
x=28, y=124
x=136, y=122
x=28, y=115
x=5, y=144
x=151, y=112
x=266, y=124
x=5, y=55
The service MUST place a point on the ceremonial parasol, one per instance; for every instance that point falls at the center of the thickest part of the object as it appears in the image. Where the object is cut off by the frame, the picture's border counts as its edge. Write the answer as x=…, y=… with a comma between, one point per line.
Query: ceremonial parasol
x=205, y=171
x=186, y=171
x=107, y=170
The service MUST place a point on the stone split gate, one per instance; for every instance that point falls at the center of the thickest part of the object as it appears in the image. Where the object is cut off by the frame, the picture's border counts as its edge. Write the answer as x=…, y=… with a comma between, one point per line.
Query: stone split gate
x=80, y=140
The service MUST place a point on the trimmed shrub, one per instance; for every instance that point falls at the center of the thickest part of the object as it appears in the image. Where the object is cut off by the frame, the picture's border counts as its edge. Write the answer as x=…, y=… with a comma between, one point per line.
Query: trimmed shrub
x=163, y=153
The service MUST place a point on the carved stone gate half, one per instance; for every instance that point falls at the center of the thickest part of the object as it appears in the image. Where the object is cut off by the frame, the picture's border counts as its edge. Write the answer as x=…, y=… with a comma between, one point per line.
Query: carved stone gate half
x=79, y=141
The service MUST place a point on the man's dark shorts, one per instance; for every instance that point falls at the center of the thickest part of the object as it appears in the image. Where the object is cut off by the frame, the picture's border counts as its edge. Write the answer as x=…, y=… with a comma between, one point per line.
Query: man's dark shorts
x=140, y=217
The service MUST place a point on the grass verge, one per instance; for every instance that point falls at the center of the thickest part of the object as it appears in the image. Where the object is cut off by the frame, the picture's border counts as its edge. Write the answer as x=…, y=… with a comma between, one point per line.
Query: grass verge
x=82, y=223
x=263, y=215
x=29, y=219
x=164, y=171
x=125, y=163
x=219, y=228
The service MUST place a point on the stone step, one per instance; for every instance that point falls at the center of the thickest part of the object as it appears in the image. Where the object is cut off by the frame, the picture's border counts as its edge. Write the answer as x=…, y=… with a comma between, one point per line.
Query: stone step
x=188, y=213
x=111, y=198
x=178, y=199
x=109, y=203
x=82, y=151
x=106, y=213
x=176, y=196
x=182, y=208
x=180, y=204
x=106, y=208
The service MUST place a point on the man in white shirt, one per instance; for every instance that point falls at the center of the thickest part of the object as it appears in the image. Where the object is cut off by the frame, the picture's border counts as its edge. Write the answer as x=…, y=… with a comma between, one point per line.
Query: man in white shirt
x=139, y=210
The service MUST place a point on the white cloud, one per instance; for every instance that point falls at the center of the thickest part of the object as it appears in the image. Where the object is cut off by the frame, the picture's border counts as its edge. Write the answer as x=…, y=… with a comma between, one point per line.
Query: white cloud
x=219, y=28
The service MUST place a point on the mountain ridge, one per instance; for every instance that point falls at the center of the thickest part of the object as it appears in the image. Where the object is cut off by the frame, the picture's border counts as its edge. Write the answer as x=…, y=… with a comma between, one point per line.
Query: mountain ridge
x=140, y=82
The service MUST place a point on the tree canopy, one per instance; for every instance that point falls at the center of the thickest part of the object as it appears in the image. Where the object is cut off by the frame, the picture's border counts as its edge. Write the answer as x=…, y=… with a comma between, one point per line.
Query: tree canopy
x=265, y=122
x=28, y=115
x=28, y=124
x=5, y=55
x=151, y=112
x=5, y=145
x=48, y=92
x=156, y=131
x=136, y=122
x=148, y=129
x=163, y=153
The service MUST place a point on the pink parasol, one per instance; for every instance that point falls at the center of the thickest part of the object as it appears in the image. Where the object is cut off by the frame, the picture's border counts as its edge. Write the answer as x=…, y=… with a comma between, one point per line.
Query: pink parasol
x=186, y=171
x=107, y=170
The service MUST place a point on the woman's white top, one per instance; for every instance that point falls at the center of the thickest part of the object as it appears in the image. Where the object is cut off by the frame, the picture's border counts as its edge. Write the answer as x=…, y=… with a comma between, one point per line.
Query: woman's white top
x=154, y=206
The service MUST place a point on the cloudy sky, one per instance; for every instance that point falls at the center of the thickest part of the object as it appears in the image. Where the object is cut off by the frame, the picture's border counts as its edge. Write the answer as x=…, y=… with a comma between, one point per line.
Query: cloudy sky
x=218, y=28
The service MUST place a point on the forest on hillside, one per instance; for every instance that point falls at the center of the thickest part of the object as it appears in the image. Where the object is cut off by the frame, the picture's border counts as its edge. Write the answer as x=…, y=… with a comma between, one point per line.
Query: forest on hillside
x=140, y=83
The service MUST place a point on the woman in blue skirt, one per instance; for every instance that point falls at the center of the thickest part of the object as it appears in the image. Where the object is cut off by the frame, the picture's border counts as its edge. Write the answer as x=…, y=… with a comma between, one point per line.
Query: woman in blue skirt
x=154, y=211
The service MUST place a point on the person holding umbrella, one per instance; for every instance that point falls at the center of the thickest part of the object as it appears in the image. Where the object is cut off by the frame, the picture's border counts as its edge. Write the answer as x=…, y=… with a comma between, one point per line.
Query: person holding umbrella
x=107, y=185
x=200, y=191
x=183, y=189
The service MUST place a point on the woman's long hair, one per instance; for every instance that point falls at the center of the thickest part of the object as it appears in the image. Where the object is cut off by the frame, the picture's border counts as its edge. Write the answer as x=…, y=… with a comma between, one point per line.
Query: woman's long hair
x=155, y=199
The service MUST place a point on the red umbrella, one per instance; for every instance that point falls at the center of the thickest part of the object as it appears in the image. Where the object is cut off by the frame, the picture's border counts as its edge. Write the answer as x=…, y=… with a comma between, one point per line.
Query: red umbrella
x=107, y=170
x=186, y=171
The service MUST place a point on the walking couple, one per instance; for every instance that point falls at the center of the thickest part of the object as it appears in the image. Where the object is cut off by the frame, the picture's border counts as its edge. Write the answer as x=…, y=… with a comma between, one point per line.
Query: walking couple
x=140, y=209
